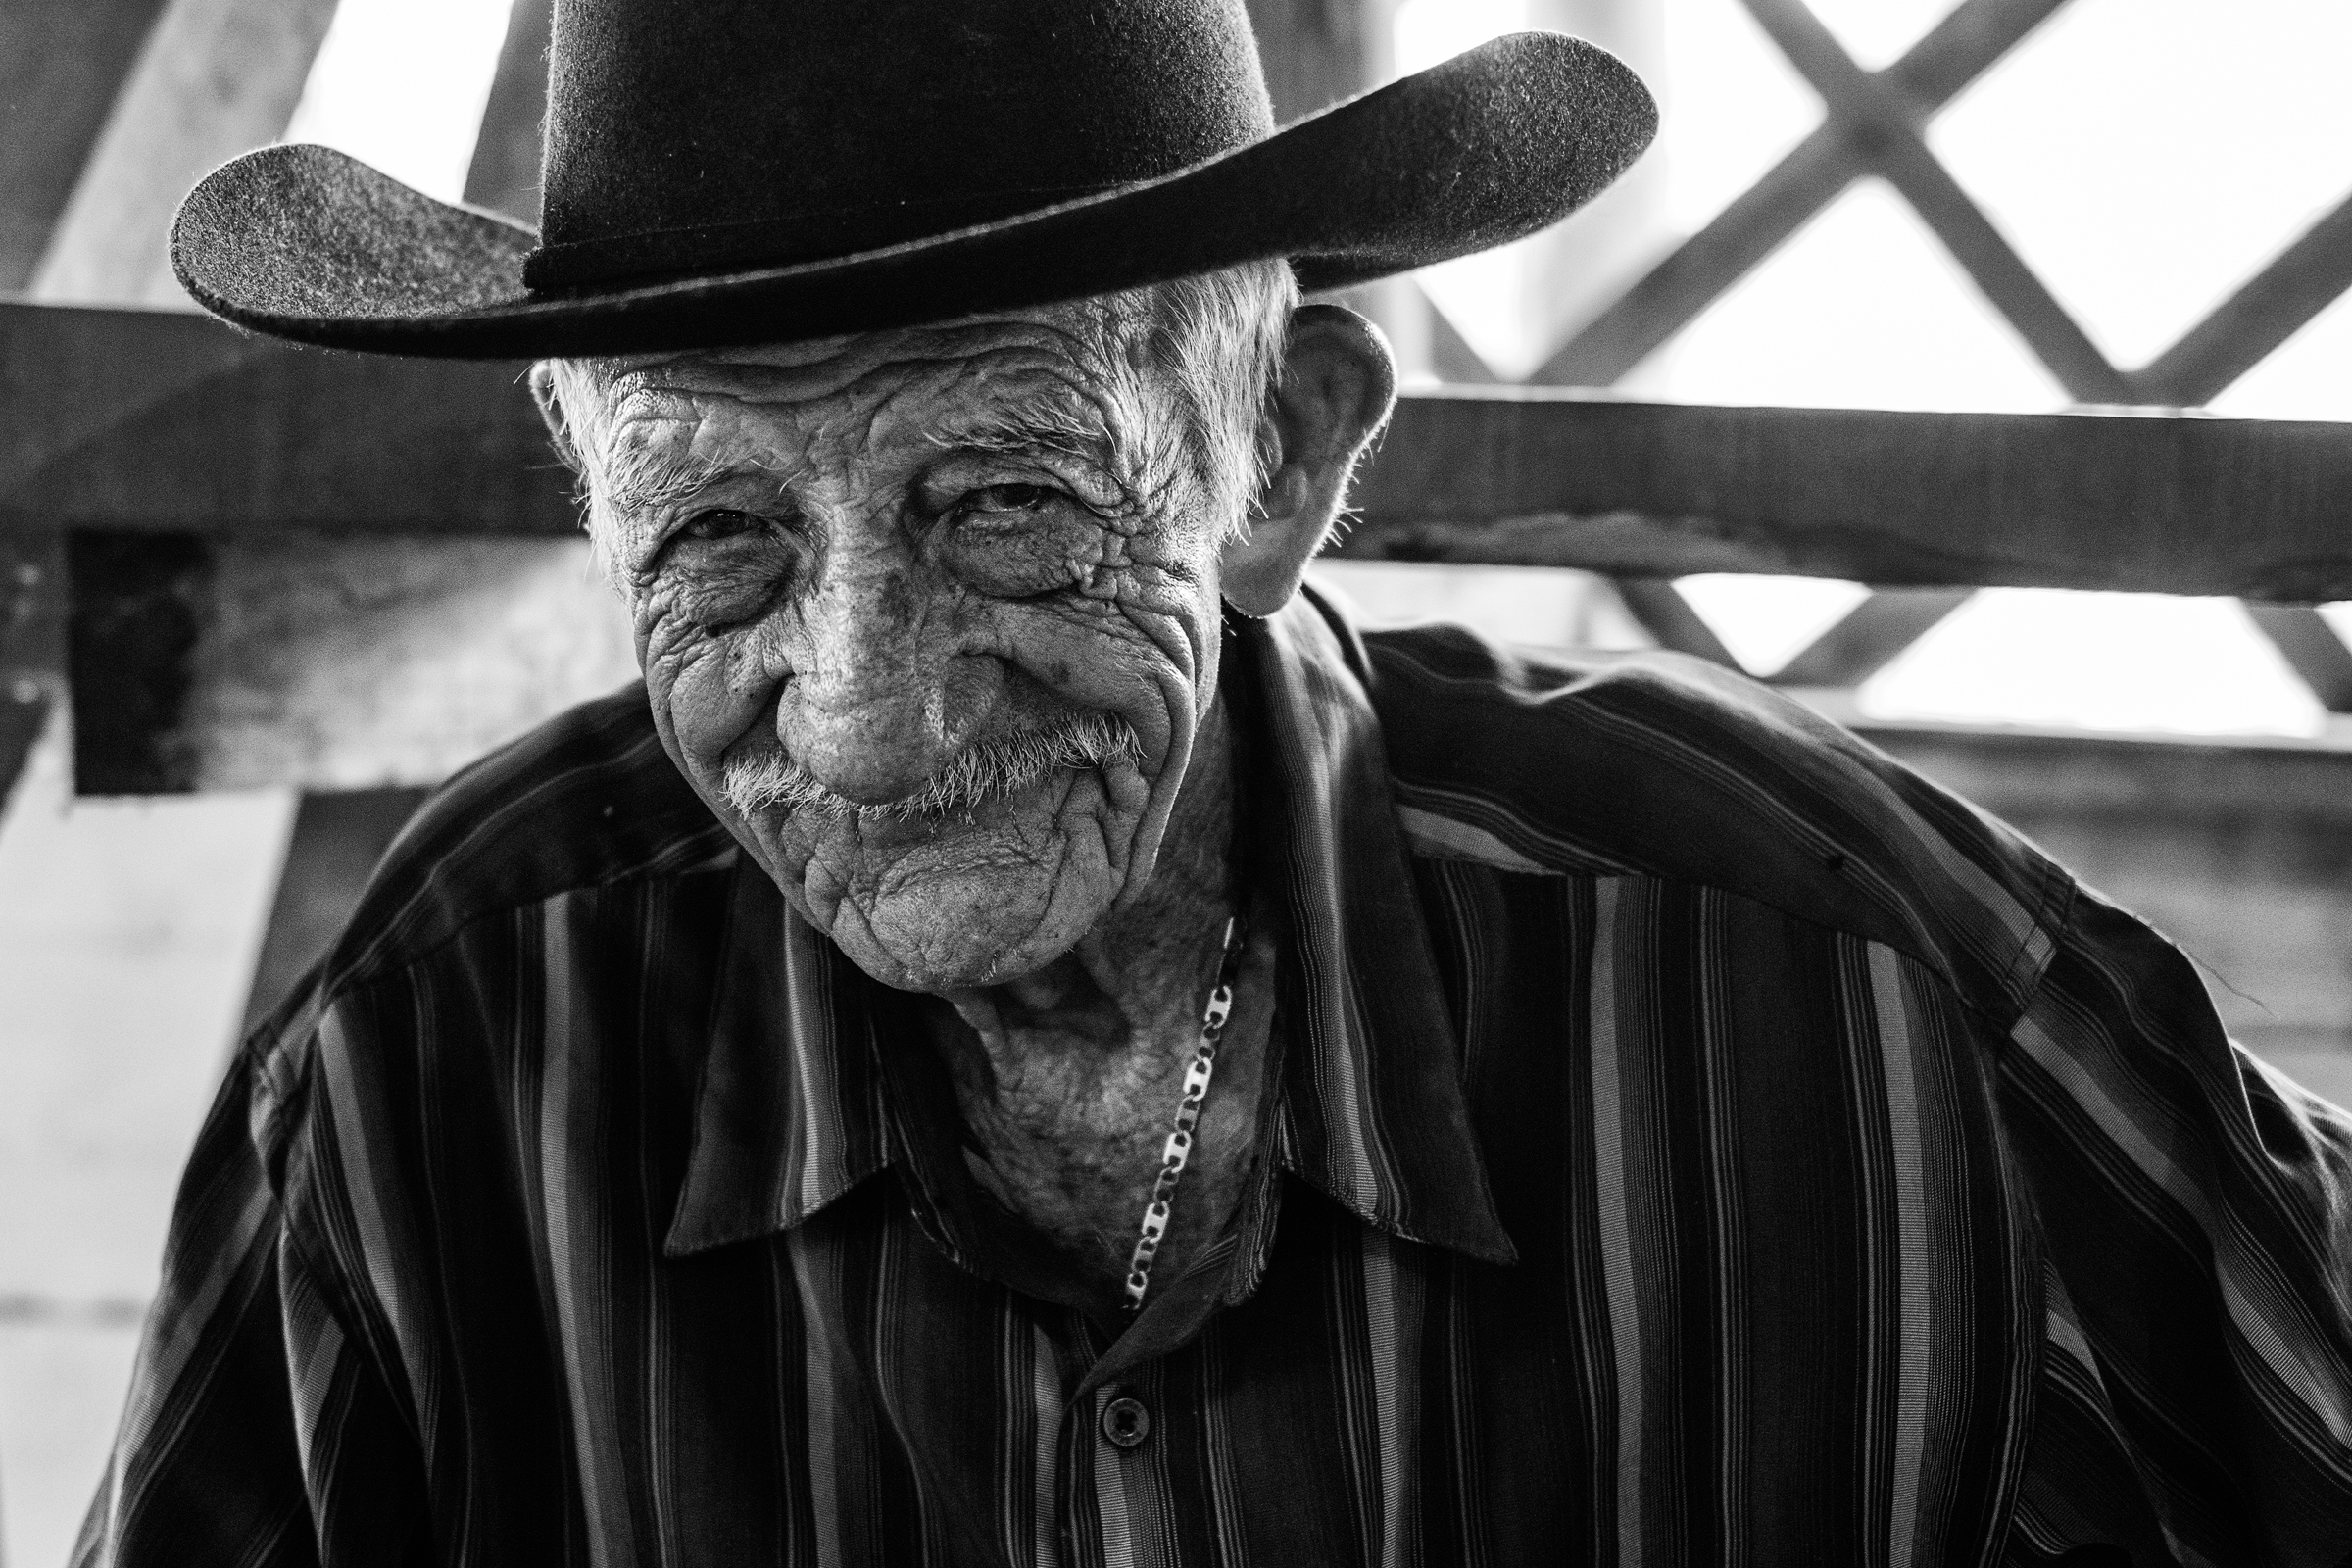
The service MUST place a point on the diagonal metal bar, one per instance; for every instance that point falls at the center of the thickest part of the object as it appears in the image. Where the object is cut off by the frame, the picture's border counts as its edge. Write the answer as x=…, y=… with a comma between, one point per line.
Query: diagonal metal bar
x=1868, y=636
x=2312, y=647
x=1659, y=605
x=1450, y=354
x=1882, y=124
x=1953, y=54
x=2270, y=308
x=1886, y=123
x=61, y=63
x=2022, y=298
x=213, y=77
x=1964, y=45
x=1703, y=267
x=504, y=172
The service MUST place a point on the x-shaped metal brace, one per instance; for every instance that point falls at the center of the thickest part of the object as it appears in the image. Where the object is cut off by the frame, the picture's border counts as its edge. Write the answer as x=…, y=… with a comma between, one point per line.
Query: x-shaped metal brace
x=1875, y=123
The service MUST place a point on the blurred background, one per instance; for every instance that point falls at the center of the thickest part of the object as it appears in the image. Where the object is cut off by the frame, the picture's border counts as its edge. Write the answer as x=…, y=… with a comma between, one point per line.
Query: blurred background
x=2141, y=159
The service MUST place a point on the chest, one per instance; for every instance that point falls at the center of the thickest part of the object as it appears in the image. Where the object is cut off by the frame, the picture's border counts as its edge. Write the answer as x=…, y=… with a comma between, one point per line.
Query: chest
x=848, y=1395
x=1771, y=1300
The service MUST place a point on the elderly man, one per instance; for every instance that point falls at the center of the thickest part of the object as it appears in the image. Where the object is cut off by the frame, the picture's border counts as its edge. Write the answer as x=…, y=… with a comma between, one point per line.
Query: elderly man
x=1028, y=1040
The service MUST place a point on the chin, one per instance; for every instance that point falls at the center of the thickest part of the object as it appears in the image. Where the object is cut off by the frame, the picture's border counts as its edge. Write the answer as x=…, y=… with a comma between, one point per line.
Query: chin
x=956, y=933
x=957, y=902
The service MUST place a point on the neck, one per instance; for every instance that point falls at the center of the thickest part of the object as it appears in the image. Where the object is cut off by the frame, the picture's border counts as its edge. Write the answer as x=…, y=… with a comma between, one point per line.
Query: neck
x=1067, y=1078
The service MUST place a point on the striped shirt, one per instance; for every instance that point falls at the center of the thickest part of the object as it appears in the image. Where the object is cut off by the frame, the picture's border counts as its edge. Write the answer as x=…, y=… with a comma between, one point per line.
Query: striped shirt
x=1693, y=1138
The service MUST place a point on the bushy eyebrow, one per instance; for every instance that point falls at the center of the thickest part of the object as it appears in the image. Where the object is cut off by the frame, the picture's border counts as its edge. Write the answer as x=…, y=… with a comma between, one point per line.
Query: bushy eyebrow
x=1031, y=428
x=644, y=479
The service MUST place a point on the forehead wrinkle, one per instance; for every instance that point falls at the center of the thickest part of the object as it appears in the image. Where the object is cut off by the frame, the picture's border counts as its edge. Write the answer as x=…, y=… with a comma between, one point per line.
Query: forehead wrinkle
x=1008, y=399
x=1088, y=326
x=1083, y=335
x=1086, y=401
x=645, y=471
x=1064, y=382
x=1036, y=409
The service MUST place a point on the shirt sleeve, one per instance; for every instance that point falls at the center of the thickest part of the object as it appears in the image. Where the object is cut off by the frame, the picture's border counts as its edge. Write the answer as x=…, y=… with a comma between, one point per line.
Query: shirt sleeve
x=2196, y=1211
x=254, y=1434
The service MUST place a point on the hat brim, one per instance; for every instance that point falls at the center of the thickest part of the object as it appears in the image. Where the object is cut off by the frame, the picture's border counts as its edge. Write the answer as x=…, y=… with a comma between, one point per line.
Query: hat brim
x=306, y=243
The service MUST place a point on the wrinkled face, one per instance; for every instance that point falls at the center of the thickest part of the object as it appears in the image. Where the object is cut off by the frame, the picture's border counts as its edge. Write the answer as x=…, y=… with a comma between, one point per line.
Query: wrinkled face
x=929, y=618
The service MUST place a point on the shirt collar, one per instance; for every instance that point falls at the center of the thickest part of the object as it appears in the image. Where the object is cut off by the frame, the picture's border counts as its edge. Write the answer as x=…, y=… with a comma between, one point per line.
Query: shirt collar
x=792, y=1112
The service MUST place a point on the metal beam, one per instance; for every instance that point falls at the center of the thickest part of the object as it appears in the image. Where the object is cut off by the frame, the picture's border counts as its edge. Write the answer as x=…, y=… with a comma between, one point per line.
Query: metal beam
x=2272, y=305
x=148, y=420
x=61, y=63
x=2257, y=509
x=1869, y=637
x=1663, y=612
x=2270, y=308
x=1450, y=354
x=1698, y=271
x=215, y=78
x=155, y=423
x=2309, y=644
x=1953, y=54
x=504, y=173
x=1884, y=125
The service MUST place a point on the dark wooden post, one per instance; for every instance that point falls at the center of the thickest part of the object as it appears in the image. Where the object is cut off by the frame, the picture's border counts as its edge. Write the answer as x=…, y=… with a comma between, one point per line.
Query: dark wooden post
x=62, y=65
x=32, y=598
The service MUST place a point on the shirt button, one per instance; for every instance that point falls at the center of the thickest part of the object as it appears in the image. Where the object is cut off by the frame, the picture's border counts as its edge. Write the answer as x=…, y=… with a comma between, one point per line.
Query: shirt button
x=1126, y=1422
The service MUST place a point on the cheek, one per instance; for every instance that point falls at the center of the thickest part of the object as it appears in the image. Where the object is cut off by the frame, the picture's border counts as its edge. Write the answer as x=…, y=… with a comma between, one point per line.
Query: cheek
x=707, y=690
x=1145, y=655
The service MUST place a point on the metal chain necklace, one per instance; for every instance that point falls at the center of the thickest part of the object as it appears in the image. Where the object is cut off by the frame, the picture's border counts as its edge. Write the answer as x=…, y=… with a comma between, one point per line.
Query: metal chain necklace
x=1179, y=1148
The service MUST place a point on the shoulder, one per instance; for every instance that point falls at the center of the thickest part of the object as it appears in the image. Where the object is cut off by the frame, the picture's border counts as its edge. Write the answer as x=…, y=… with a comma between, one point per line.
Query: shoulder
x=435, y=987
x=586, y=800
x=1654, y=764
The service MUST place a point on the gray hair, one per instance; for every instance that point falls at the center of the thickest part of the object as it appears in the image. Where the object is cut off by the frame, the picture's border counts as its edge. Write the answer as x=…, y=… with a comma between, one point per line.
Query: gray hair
x=1217, y=337
x=1220, y=338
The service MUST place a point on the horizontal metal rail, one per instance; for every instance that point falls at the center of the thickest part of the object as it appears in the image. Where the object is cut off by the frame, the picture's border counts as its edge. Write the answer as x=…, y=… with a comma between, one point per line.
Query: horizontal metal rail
x=154, y=422
x=2259, y=508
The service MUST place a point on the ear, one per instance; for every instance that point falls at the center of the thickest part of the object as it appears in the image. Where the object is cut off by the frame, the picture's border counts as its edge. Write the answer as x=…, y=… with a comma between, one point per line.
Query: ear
x=1338, y=386
x=550, y=411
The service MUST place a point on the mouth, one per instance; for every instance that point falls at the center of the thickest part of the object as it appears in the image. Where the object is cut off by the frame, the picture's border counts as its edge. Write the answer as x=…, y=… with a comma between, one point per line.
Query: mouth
x=983, y=772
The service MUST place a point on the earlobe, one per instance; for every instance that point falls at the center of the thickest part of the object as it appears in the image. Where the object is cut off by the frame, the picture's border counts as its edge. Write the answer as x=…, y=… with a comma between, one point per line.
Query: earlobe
x=1337, y=385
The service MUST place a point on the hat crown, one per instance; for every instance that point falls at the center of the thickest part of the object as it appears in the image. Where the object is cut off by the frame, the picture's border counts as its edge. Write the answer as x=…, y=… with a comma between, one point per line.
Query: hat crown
x=792, y=130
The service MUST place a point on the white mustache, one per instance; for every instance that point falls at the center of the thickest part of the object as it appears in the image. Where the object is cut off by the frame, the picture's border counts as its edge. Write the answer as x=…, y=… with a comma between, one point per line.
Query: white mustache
x=983, y=771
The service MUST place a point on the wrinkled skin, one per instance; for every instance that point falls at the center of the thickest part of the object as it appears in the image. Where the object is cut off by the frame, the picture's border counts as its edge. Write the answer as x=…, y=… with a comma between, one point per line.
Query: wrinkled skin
x=868, y=555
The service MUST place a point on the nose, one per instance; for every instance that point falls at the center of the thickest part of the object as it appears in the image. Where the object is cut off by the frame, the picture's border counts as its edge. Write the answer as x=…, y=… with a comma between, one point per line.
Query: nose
x=878, y=701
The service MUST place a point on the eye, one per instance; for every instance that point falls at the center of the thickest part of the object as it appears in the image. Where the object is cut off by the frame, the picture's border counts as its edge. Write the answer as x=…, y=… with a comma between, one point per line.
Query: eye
x=720, y=523
x=722, y=566
x=1007, y=498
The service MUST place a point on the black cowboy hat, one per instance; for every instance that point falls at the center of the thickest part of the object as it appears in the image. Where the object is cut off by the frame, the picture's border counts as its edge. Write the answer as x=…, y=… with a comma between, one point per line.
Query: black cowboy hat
x=744, y=171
